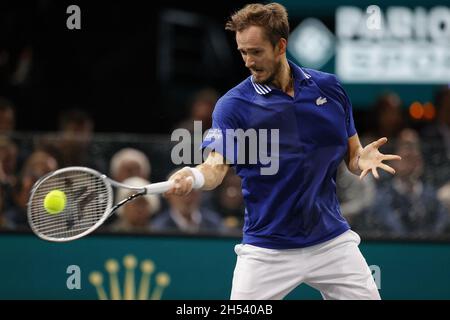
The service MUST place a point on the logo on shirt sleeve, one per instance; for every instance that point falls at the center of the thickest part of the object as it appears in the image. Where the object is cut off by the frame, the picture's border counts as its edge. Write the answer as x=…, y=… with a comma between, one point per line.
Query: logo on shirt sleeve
x=320, y=101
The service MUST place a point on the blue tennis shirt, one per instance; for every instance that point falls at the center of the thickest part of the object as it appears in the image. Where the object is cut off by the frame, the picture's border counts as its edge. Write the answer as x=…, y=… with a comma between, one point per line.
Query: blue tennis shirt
x=297, y=206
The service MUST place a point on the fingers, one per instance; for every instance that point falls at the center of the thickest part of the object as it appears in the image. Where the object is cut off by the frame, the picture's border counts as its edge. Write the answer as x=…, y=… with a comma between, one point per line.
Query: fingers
x=387, y=168
x=375, y=173
x=181, y=187
x=380, y=142
x=366, y=171
x=391, y=157
x=363, y=174
x=184, y=186
x=183, y=182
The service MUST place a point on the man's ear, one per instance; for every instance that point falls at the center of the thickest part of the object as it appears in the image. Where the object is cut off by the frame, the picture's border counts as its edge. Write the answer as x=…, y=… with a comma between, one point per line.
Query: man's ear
x=282, y=46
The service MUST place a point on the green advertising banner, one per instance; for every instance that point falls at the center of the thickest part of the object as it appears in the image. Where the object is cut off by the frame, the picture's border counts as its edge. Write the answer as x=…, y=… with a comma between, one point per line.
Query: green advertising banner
x=163, y=267
x=374, y=47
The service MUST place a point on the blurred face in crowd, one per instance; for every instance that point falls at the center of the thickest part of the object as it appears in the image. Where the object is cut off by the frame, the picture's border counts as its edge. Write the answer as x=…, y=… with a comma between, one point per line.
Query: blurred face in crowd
x=26, y=183
x=230, y=192
x=262, y=58
x=186, y=205
x=390, y=118
x=37, y=164
x=128, y=169
x=202, y=111
x=78, y=133
x=408, y=147
x=7, y=120
x=41, y=163
x=8, y=157
x=137, y=212
x=30, y=176
x=73, y=141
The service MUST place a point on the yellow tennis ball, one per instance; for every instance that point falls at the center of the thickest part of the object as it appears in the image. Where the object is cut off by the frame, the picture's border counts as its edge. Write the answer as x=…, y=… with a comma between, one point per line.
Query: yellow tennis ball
x=55, y=201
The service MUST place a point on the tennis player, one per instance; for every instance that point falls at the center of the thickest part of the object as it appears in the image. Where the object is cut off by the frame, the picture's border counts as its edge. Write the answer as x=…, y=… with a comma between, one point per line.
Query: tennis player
x=293, y=231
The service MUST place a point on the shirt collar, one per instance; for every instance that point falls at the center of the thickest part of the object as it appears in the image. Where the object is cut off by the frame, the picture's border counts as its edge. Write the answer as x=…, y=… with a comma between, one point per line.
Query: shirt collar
x=261, y=89
x=298, y=72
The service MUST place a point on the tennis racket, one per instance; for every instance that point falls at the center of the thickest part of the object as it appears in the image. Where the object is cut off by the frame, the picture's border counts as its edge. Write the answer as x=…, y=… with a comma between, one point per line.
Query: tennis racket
x=89, y=202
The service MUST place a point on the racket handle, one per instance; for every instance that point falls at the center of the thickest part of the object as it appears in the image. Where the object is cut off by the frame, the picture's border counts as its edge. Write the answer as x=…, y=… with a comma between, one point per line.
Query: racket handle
x=194, y=186
x=159, y=187
x=162, y=187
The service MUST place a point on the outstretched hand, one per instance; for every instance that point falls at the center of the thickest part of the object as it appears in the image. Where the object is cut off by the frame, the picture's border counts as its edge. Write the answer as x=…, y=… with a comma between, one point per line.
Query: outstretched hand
x=370, y=159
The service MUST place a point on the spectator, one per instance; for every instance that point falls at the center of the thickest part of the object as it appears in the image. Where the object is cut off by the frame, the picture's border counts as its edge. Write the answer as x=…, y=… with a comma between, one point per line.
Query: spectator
x=38, y=164
x=388, y=122
x=16, y=211
x=135, y=215
x=7, y=117
x=388, y=116
x=444, y=196
x=409, y=206
x=41, y=162
x=76, y=128
x=23, y=146
x=229, y=202
x=437, y=137
x=128, y=163
x=201, y=109
x=355, y=196
x=186, y=214
x=8, y=161
x=73, y=145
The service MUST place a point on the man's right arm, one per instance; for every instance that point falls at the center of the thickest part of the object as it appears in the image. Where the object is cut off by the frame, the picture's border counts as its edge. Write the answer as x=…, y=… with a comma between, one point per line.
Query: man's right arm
x=213, y=171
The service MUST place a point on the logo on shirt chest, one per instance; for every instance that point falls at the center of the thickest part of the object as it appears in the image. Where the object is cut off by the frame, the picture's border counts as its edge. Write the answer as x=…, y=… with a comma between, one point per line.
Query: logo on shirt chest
x=320, y=101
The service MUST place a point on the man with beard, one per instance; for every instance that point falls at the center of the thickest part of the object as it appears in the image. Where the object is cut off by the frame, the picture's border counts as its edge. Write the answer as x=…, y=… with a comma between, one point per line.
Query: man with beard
x=294, y=231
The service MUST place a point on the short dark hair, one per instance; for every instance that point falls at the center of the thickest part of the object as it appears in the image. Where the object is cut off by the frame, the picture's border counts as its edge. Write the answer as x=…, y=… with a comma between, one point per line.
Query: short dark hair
x=272, y=17
x=77, y=116
x=6, y=104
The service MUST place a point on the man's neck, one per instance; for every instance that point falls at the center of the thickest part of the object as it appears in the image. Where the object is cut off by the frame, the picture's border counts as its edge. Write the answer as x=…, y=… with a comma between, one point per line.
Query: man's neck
x=284, y=79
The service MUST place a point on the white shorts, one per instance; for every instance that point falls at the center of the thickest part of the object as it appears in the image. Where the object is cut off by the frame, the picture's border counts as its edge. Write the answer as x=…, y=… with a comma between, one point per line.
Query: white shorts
x=336, y=268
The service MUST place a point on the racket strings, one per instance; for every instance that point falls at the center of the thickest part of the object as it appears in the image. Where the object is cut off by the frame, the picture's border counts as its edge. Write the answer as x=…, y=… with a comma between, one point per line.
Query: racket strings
x=87, y=198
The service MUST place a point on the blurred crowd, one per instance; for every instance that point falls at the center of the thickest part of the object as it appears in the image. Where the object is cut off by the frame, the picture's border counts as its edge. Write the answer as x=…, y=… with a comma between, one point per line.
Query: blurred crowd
x=25, y=157
x=413, y=203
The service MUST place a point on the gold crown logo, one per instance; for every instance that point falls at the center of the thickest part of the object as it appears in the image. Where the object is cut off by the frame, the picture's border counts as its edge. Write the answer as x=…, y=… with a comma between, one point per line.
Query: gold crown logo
x=130, y=263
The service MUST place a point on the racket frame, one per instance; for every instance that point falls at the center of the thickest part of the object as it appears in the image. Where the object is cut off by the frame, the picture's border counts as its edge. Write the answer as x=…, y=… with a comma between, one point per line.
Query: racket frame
x=110, y=209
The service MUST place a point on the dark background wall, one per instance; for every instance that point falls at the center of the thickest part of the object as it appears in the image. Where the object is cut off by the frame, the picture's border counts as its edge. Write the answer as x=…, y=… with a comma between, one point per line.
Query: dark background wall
x=110, y=66
x=114, y=66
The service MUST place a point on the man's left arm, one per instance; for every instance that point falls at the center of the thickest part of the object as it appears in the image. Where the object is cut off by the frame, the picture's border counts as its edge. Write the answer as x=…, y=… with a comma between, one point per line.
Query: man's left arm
x=361, y=160
x=353, y=154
